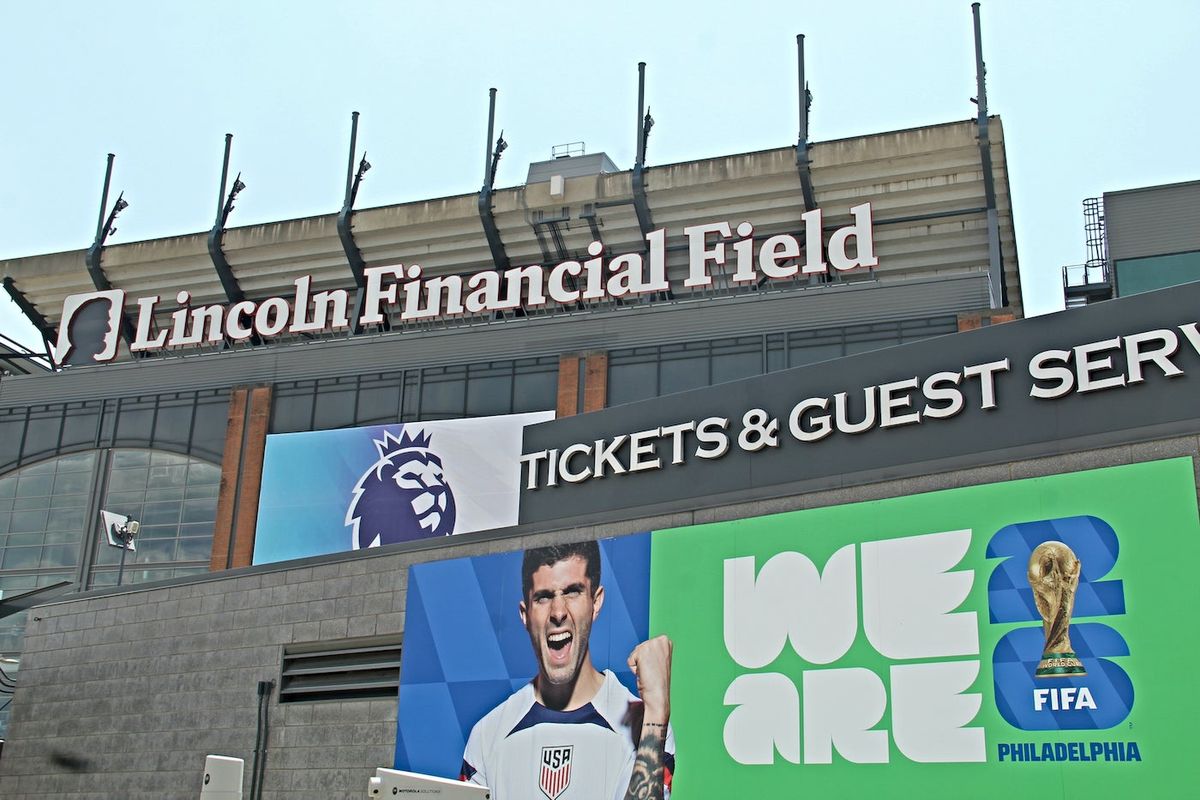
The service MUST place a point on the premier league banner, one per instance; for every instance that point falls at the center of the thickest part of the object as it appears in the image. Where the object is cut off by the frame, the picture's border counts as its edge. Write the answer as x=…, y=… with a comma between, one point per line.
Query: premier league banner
x=354, y=488
x=1018, y=639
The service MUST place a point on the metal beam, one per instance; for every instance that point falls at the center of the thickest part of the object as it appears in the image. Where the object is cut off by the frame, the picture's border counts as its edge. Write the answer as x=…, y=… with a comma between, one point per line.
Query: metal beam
x=645, y=122
x=345, y=233
x=803, y=162
x=486, y=215
x=995, y=265
x=95, y=253
x=24, y=601
x=47, y=331
x=229, y=282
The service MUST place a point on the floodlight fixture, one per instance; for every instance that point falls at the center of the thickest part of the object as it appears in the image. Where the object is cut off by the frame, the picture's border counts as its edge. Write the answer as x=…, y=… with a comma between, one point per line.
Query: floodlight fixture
x=121, y=531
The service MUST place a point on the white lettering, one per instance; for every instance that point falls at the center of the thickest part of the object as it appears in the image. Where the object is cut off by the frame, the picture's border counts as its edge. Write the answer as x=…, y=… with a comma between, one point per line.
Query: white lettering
x=841, y=706
x=1085, y=366
x=141, y=339
x=1138, y=353
x=790, y=600
x=987, y=380
x=699, y=255
x=862, y=234
x=765, y=720
x=929, y=711
x=1040, y=370
x=375, y=295
x=909, y=596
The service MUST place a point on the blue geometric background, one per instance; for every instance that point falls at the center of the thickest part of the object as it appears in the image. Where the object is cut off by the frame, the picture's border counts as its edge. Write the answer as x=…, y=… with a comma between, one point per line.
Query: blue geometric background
x=1094, y=543
x=465, y=649
x=1015, y=661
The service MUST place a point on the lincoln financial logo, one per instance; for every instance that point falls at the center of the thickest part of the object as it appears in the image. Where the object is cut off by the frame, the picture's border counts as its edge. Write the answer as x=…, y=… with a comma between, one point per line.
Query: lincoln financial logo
x=90, y=327
x=405, y=290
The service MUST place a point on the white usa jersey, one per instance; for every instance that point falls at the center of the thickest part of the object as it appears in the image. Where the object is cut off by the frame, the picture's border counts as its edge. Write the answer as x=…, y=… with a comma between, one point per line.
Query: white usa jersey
x=525, y=751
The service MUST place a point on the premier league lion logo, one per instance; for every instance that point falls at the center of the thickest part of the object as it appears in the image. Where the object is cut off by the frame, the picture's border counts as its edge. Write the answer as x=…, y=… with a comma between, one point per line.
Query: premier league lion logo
x=403, y=496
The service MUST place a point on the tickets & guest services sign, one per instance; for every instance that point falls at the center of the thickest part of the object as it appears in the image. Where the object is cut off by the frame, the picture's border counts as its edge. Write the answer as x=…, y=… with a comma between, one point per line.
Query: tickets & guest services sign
x=1108, y=373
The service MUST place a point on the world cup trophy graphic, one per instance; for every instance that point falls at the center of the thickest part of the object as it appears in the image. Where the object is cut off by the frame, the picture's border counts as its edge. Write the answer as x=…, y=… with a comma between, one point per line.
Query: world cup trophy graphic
x=1054, y=577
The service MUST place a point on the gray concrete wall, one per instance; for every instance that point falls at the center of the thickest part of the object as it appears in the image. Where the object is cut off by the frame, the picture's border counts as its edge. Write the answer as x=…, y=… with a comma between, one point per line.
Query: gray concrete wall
x=122, y=696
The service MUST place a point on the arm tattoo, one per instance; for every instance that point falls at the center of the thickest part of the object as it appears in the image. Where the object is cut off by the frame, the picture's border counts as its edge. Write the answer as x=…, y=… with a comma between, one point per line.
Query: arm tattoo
x=646, y=782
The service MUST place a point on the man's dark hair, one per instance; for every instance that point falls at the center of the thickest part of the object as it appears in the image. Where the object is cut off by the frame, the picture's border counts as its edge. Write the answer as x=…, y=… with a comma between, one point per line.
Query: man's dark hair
x=548, y=556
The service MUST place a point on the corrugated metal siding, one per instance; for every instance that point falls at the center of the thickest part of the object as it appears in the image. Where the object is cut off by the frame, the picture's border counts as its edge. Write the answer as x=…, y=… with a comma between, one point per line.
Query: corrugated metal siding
x=826, y=306
x=1153, y=222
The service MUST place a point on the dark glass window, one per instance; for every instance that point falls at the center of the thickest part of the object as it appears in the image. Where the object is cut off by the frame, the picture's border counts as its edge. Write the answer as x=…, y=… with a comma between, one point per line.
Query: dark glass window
x=643, y=372
x=175, y=500
x=630, y=381
x=41, y=434
x=535, y=385
x=734, y=359
x=450, y=392
x=80, y=425
x=489, y=389
x=335, y=403
x=12, y=427
x=443, y=393
x=292, y=407
x=135, y=423
x=379, y=399
x=173, y=425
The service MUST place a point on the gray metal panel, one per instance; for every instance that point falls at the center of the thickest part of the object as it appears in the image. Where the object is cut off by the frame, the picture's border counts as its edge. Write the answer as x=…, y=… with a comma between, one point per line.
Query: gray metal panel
x=1155, y=221
x=1017, y=425
x=817, y=307
x=573, y=167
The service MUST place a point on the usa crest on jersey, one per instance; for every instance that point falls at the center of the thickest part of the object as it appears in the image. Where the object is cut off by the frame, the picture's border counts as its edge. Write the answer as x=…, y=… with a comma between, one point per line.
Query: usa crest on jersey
x=556, y=770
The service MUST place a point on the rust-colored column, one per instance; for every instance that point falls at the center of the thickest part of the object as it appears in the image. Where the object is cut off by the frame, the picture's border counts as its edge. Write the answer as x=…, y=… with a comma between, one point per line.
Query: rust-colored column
x=568, y=386
x=258, y=419
x=595, y=382
x=969, y=322
x=241, y=477
x=230, y=468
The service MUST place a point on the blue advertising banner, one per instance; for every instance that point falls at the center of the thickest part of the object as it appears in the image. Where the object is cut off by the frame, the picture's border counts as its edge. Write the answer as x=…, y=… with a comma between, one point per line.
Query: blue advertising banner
x=353, y=488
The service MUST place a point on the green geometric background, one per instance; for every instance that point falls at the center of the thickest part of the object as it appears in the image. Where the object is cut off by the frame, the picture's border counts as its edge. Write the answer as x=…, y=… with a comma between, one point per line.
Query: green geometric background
x=1151, y=506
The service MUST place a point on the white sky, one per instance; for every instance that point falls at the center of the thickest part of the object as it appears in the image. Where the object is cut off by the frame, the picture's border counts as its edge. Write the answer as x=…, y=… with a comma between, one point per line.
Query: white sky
x=1095, y=96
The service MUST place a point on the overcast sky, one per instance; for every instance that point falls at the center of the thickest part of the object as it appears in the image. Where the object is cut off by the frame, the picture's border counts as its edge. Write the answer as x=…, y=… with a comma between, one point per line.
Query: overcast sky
x=1095, y=96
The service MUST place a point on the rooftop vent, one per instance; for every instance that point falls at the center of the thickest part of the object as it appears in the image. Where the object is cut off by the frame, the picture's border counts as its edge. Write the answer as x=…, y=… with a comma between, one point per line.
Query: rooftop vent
x=570, y=161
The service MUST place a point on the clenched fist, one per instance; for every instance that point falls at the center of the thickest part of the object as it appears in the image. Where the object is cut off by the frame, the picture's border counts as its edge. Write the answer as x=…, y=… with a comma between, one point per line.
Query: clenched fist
x=650, y=662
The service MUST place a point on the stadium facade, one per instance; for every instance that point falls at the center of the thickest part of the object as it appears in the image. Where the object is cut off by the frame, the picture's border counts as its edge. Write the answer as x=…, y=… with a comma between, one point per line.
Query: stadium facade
x=792, y=356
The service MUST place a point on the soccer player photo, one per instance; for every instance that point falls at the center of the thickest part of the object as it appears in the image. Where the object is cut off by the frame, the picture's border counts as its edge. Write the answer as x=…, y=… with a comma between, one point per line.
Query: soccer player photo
x=568, y=697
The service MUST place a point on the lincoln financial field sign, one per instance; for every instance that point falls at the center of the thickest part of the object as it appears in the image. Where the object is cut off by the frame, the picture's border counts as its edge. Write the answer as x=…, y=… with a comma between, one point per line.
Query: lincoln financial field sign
x=415, y=296
x=1018, y=639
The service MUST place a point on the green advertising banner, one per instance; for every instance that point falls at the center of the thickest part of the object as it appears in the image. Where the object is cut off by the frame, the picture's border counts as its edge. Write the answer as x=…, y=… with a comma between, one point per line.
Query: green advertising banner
x=1023, y=639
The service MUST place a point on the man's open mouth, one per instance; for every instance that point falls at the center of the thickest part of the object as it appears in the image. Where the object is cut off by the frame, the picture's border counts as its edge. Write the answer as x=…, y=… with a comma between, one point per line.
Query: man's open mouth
x=557, y=641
